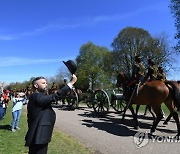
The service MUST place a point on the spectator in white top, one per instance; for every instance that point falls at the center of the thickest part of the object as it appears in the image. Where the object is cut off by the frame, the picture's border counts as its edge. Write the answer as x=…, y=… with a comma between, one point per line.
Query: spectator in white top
x=16, y=111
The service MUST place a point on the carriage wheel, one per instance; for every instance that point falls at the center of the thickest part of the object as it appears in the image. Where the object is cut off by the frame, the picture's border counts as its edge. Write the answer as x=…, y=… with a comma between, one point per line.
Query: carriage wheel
x=101, y=102
x=119, y=105
x=72, y=100
x=89, y=104
x=90, y=98
x=117, y=101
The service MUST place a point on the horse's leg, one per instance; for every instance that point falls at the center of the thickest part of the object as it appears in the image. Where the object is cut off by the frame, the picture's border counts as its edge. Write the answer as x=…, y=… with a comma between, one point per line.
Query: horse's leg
x=170, y=106
x=159, y=115
x=137, y=109
x=168, y=119
x=153, y=115
x=163, y=113
x=145, y=112
x=134, y=116
x=124, y=113
x=127, y=107
x=176, y=118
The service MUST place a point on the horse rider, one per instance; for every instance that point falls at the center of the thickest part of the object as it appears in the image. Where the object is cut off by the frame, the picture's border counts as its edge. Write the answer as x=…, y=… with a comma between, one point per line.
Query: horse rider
x=152, y=71
x=53, y=90
x=152, y=75
x=54, y=87
x=28, y=91
x=139, y=70
x=138, y=74
x=161, y=75
x=64, y=84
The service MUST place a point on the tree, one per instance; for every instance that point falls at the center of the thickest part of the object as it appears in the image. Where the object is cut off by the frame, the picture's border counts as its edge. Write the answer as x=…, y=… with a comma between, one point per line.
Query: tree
x=92, y=68
x=58, y=79
x=175, y=9
x=137, y=41
x=18, y=86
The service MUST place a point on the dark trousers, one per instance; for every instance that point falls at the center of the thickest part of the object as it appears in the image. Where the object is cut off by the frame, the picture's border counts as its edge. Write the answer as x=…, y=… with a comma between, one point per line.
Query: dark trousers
x=38, y=149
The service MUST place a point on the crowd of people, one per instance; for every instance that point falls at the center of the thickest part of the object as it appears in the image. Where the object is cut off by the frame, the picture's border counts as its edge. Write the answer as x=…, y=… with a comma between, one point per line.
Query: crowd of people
x=5, y=97
x=18, y=99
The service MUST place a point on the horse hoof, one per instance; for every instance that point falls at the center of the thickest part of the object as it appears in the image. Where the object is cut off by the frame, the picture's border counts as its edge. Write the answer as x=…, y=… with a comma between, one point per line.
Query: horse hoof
x=165, y=123
x=152, y=130
x=177, y=137
x=136, y=127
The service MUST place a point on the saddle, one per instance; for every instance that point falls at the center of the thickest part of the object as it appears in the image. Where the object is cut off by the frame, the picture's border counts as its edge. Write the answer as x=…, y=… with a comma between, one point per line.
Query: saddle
x=133, y=87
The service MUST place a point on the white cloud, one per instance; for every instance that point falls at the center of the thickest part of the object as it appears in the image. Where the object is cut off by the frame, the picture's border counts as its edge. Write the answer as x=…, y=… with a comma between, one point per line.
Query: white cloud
x=13, y=61
x=6, y=38
x=85, y=21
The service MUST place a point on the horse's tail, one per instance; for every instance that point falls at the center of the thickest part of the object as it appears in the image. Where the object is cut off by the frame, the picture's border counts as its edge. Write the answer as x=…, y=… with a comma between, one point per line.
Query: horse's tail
x=176, y=92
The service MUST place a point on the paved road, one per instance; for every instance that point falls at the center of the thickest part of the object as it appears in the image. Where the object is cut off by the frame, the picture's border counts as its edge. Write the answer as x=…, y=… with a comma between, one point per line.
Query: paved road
x=108, y=135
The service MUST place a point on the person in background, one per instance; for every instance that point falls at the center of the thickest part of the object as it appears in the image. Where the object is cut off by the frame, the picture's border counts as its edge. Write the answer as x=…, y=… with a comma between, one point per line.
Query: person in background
x=152, y=71
x=61, y=86
x=2, y=107
x=18, y=102
x=6, y=100
x=40, y=115
x=161, y=75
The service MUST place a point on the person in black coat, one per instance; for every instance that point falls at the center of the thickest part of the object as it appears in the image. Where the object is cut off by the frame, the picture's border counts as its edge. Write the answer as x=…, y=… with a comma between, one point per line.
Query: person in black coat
x=40, y=115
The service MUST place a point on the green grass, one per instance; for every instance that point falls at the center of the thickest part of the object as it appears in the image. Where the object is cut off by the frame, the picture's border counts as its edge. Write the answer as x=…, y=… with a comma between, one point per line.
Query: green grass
x=163, y=106
x=13, y=142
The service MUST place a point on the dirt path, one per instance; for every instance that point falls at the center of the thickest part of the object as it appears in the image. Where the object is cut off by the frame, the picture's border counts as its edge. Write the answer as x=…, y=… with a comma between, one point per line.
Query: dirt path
x=108, y=135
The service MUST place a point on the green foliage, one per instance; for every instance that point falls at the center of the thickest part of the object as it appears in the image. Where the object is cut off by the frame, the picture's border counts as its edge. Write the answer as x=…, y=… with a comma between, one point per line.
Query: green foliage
x=175, y=9
x=137, y=41
x=18, y=86
x=92, y=66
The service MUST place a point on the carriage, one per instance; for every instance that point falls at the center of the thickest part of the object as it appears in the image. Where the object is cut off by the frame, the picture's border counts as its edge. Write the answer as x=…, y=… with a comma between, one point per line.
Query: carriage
x=100, y=100
x=76, y=96
x=106, y=98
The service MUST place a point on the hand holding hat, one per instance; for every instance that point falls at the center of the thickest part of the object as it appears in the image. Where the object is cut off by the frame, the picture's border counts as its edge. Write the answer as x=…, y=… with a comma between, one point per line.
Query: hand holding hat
x=72, y=67
x=73, y=79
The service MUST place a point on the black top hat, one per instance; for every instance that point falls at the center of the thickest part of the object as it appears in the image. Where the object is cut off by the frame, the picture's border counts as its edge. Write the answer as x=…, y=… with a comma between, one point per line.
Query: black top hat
x=71, y=66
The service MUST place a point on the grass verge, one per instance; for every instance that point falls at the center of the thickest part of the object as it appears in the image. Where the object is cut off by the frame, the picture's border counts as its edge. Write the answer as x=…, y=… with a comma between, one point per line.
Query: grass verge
x=13, y=142
x=163, y=107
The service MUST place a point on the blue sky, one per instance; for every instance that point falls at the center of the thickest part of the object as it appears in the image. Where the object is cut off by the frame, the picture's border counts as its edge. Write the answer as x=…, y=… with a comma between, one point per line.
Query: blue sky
x=36, y=35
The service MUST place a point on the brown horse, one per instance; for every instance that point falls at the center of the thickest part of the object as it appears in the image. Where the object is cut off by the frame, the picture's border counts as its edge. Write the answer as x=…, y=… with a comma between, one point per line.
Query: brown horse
x=153, y=93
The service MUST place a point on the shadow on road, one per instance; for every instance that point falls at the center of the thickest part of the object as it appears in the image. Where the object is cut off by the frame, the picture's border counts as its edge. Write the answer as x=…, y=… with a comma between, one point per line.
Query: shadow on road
x=112, y=128
x=113, y=125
